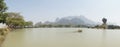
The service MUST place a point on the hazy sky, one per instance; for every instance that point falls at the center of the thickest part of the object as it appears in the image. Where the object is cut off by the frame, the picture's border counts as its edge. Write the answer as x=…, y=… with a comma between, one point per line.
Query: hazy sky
x=49, y=10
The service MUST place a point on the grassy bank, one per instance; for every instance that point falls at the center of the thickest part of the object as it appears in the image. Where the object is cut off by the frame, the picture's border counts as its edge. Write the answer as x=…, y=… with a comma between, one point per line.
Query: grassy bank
x=3, y=33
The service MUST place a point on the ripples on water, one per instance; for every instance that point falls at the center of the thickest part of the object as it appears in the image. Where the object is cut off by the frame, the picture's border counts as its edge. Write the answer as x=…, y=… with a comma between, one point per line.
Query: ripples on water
x=62, y=37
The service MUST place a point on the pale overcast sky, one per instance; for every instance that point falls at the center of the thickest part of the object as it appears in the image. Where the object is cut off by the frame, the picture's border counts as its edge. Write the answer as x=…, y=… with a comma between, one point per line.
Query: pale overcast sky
x=49, y=10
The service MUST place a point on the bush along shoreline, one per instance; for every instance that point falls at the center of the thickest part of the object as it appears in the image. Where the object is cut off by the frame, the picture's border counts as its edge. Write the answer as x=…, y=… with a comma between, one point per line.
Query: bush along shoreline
x=3, y=33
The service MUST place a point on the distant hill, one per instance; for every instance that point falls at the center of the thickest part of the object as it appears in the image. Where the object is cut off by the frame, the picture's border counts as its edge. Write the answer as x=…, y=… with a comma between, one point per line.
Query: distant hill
x=75, y=20
x=71, y=20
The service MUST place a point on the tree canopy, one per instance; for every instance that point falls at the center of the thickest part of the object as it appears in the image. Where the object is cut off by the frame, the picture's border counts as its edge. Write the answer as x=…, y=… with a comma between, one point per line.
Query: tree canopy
x=3, y=8
x=14, y=19
x=28, y=24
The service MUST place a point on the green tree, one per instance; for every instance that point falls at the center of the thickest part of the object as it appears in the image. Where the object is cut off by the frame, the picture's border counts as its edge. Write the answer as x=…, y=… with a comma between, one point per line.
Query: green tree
x=28, y=24
x=3, y=8
x=14, y=20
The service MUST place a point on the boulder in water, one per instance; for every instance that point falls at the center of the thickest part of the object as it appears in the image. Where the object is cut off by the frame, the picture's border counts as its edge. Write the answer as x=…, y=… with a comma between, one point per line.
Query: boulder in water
x=79, y=30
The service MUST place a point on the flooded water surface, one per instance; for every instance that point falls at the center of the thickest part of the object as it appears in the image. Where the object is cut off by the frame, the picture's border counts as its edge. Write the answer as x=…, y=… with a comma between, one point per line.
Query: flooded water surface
x=62, y=37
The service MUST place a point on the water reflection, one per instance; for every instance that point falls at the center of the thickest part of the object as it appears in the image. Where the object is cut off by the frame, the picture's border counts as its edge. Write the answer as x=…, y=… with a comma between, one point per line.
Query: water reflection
x=104, y=38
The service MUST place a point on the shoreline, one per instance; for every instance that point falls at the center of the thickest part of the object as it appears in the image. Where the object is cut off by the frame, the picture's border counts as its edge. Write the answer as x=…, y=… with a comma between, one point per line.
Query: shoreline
x=3, y=33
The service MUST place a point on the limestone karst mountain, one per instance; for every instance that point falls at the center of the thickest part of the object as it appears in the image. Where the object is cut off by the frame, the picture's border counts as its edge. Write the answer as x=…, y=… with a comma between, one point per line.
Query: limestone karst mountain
x=71, y=20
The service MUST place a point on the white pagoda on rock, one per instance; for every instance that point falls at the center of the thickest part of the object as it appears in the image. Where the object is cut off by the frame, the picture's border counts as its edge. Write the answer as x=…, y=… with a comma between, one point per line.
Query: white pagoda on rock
x=104, y=25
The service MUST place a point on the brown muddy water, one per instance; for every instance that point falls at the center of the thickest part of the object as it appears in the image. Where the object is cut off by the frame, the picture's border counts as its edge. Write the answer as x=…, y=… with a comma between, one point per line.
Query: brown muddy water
x=62, y=37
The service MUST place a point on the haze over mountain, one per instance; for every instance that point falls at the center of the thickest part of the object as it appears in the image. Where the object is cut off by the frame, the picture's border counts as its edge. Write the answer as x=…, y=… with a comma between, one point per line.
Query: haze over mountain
x=71, y=20
x=75, y=20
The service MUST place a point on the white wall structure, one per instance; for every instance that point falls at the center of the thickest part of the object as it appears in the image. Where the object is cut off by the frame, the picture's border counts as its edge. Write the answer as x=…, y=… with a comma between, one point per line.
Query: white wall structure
x=3, y=25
